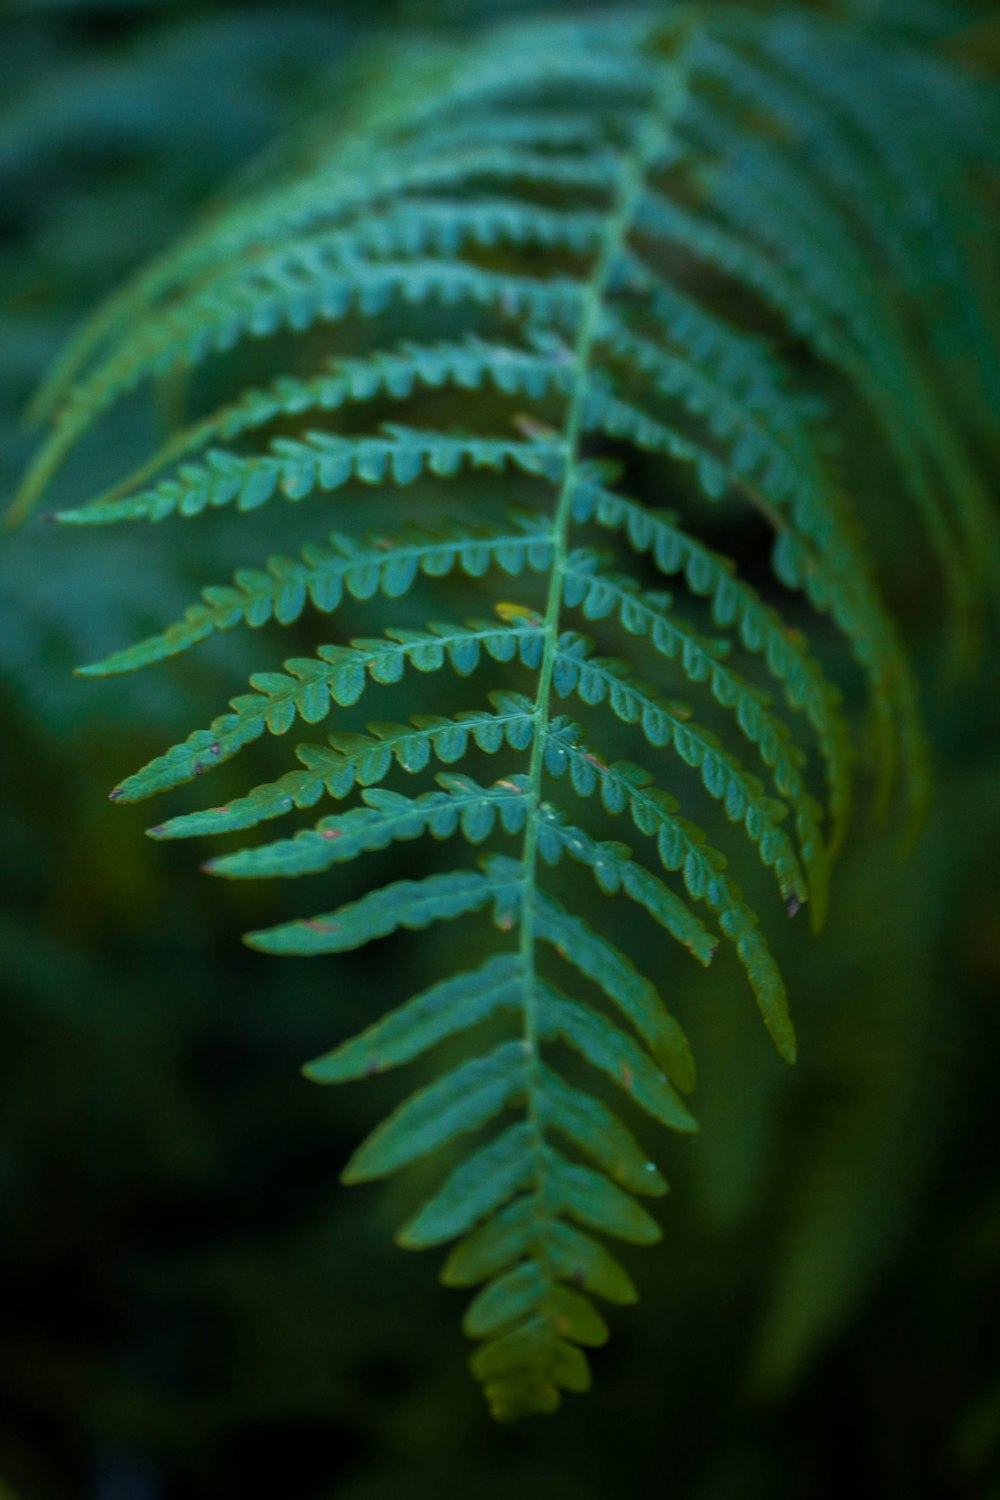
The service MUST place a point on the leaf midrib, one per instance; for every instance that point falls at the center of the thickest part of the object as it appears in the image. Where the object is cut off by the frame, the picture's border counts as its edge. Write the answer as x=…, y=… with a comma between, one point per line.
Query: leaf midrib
x=651, y=138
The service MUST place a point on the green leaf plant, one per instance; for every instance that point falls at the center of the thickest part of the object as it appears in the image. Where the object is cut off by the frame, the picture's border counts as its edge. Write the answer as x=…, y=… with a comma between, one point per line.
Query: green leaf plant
x=644, y=265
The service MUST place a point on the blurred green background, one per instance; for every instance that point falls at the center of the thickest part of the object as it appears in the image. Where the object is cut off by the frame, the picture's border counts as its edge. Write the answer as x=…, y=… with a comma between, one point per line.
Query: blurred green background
x=190, y=1304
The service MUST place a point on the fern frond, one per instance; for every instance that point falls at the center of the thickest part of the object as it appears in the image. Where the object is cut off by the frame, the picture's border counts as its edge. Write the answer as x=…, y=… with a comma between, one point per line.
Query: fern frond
x=573, y=251
x=413, y=904
x=377, y=564
x=390, y=375
x=703, y=660
x=295, y=469
x=682, y=847
x=736, y=606
x=325, y=196
x=365, y=760
x=902, y=160
x=602, y=680
x=337, y=673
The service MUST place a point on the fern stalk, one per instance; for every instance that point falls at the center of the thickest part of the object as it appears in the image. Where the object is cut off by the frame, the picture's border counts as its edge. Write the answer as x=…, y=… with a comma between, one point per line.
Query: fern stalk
x=653, y=137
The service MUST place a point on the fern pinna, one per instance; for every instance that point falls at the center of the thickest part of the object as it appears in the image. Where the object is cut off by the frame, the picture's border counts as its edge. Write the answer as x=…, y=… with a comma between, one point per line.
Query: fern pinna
x=603, y=241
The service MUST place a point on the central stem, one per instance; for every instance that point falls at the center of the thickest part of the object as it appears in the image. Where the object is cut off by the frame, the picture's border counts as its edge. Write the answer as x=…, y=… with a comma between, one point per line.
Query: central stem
x=649, y=143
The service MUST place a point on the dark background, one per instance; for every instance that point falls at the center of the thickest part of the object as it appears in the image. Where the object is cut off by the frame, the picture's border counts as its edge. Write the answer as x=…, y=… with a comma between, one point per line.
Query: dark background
x=192, y=1306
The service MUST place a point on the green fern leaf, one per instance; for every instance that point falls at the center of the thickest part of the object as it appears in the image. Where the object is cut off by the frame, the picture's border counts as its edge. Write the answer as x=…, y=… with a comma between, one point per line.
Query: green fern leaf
x=324, y=574
x=567, y=251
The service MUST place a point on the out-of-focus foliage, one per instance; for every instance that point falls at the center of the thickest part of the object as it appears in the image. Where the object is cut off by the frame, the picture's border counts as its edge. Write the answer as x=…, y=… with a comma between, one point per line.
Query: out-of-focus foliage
x=193, y=1308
